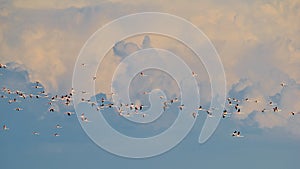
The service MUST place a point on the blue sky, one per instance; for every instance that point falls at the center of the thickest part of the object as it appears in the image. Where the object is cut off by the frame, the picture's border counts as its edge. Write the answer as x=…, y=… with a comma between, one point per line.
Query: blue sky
x=257, y=42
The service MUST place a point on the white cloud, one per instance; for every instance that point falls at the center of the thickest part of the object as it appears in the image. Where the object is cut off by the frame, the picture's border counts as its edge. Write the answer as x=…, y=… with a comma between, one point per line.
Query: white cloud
x=284, y=98
x=257, y=41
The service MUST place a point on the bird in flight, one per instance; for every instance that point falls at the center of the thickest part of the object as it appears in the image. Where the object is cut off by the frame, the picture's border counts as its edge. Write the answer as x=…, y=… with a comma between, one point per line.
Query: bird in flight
x=236, y=134
x=209, y=113
x=56, y=135
x=276, y=109
x=69, y=113
x=84, y=118
x=225, y=113
x=36, y=133
x=58, y=126
x=264, y=110
x=283, y=84
x=5, y=127
x=256, y=101
x=18, y=109
x=181, y=106
x=145, y=93
x=194, y=114
x=294, y=113
x=143, y=74
x=3, y=66
x=238, y=111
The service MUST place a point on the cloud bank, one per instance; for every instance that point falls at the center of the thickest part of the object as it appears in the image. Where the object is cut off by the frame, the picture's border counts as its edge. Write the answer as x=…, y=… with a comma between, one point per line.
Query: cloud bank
x=257, y=42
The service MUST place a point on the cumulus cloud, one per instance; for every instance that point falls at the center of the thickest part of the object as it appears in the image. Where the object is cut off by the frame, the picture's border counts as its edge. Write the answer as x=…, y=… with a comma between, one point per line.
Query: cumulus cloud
x=155, y=78
x=124, y=49
x=257, y=41
x=47, y=36
x=284, y=98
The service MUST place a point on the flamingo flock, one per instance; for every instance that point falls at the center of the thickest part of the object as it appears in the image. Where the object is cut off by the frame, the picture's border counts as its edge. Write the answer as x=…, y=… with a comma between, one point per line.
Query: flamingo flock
x=233, y=105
